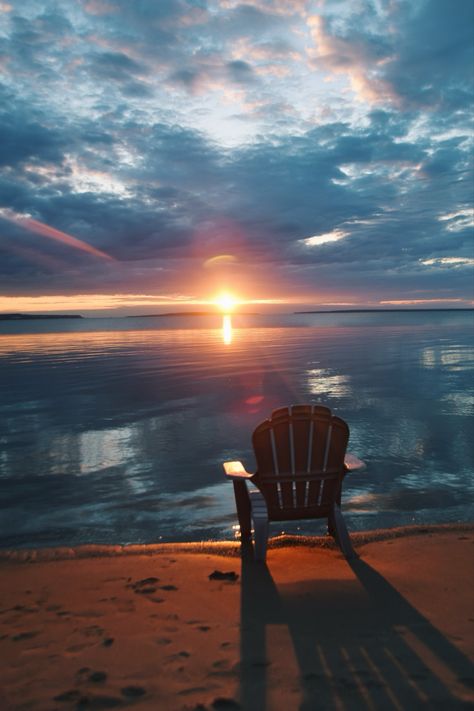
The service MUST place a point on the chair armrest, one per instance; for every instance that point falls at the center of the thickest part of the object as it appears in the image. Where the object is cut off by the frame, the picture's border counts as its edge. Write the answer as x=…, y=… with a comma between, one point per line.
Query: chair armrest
x=236, y=471
x=353, y=463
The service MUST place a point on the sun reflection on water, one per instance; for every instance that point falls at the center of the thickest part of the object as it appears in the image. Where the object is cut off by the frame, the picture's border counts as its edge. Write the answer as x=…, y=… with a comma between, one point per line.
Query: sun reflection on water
x=227, y=329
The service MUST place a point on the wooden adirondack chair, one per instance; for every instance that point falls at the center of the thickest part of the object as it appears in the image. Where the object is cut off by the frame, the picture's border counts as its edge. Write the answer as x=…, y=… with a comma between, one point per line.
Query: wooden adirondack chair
x=301, y=462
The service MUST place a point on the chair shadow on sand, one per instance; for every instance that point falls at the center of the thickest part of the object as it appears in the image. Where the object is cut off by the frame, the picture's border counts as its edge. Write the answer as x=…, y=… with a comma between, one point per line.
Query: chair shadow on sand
x=356, y=644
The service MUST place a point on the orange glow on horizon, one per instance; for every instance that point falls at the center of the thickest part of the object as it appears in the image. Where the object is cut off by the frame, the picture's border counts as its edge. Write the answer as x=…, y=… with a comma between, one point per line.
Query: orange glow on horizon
x=120, y=303
x=114, y=302
x=420, y=302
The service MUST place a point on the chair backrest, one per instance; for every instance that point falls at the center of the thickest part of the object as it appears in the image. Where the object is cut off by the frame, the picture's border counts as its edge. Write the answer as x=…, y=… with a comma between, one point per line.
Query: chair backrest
x=300, y=461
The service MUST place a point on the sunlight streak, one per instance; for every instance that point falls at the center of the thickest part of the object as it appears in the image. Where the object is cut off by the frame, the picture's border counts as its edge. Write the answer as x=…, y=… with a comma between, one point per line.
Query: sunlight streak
x=28, y=223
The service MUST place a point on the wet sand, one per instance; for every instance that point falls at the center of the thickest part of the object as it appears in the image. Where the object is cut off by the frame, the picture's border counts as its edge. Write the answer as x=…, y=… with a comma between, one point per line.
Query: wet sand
x=144, y=627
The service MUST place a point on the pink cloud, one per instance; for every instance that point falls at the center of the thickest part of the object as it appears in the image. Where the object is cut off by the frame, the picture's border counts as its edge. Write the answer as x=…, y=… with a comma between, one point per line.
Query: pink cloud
x=342, y=56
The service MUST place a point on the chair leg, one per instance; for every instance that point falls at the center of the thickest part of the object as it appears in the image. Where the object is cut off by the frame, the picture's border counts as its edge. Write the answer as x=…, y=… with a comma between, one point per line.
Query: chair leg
x=337, y=524
x=242, y=503
x=260, y=524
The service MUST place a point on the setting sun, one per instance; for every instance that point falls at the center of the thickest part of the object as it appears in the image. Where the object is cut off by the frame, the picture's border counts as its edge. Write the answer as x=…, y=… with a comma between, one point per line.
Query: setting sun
x=226, y=302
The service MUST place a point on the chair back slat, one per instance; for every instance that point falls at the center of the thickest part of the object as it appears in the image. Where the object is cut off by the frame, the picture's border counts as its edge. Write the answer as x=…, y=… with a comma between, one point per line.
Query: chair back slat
x=275, y=467
x=327, y=446
x=300, y=460
x=320, y=432
x=309, y=446
x=339, y=437
x=292, y=447
x=282, y=441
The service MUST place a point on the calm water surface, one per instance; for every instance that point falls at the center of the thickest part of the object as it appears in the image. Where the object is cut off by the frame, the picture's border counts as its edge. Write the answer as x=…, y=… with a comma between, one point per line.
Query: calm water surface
x=114, y=430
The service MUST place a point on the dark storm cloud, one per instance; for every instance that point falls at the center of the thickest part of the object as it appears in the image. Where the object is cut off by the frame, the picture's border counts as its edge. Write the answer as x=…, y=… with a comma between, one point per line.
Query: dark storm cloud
x=133, y=176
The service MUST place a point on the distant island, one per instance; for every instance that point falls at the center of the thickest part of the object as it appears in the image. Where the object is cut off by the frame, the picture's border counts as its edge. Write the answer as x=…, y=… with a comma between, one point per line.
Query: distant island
x=377, y=311
x=35, y=317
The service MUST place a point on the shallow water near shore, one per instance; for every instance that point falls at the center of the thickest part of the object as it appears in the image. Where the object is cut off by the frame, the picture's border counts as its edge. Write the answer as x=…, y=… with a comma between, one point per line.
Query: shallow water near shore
x=114, y=430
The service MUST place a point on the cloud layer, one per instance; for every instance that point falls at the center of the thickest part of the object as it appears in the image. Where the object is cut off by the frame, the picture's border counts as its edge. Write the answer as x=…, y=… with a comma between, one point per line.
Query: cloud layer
x=164, y=135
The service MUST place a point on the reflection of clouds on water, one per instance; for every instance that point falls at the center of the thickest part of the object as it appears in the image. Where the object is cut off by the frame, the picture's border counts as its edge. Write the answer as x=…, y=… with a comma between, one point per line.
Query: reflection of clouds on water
x=404, y=499
x=407, y=438
x=322, y=382
x=462, y=403
x=455, y=357
x=105, y=448
x=163, y=511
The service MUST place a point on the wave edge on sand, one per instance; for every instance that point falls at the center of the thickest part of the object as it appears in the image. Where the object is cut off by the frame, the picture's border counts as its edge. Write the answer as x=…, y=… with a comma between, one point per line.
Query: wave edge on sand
x=223, y=548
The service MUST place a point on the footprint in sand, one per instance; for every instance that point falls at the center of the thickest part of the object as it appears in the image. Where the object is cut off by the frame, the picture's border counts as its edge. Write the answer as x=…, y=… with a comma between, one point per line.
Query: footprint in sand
x=163, y=641
x=194, y=690
x=70, y=695
x=88, y=701
x=85, y=675
x=224, y=704
x=224, y=668
x=221, y=664
x=178, y=657
x=146, y=586
x=132, y=692
x=74, y=648
x=97, y=677
x=24, y=635
x=93, y=631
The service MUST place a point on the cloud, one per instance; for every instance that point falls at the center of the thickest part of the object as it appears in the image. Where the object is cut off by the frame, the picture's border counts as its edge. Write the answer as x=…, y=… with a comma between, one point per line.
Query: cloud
x=25, y=135
x=317, y=240
x=240, y=72
x=412, y=54
x=174, y=135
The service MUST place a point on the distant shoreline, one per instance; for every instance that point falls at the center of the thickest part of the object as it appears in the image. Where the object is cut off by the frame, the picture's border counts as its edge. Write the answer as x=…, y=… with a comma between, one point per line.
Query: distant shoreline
x=43, y=317
x=376, y=311
x=35, y=317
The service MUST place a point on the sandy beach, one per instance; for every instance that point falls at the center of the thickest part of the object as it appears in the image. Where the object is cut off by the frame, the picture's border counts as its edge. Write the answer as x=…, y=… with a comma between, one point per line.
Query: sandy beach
x=145, y=627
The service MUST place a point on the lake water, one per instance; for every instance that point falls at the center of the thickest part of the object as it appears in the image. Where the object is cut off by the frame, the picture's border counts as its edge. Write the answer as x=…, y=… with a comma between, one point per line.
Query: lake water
x=114, y=430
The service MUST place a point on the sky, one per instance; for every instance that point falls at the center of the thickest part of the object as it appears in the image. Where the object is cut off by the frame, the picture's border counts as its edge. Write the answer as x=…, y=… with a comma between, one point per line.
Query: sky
x=292, y=153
